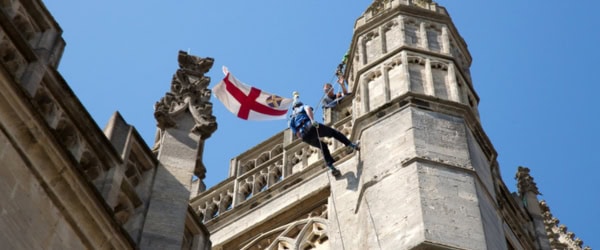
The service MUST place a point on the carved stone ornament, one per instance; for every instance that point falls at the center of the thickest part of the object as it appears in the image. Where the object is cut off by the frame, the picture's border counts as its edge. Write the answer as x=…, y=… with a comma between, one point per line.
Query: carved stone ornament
x=377, y=6
x=525, y=182
x=308, y=233
x=189, y=91
x=422, y=3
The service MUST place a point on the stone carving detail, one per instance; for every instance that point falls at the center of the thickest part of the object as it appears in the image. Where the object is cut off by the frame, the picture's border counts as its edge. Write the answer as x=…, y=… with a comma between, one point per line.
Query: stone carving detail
x=25, y=25
x=124, y=209
x=264, y=157
x=261, y=180
x=378, y=6
x=10, y=57
x=422, y=3
x=307, y=233
x=299, y=158
x=91, y=165
x=525, y=182
x=550, y=222
x=558, y=235
x=189, y=91
x=219, y=203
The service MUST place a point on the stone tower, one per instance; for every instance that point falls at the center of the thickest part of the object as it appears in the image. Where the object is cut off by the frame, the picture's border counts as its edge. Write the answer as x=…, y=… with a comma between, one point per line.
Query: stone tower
x=426, y=171
x=425, y=178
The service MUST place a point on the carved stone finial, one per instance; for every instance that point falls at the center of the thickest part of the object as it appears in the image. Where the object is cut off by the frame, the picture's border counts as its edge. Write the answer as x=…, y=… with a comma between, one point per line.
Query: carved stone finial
x=378, y=6
x=544, y=206
x=189, y=90
x=562, y=229
x=422, y=3
x=525, y=182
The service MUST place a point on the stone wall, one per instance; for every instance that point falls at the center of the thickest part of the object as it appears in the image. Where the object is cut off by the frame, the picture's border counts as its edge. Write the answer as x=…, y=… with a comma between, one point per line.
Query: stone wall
x=29, y=217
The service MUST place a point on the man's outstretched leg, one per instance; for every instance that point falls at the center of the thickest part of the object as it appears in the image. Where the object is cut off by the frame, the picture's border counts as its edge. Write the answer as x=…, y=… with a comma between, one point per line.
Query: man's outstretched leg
x=312, y=139
x=326, y=131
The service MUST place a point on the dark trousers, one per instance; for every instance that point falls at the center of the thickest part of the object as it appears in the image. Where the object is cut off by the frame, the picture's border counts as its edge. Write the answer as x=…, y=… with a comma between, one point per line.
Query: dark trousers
x=312, y=138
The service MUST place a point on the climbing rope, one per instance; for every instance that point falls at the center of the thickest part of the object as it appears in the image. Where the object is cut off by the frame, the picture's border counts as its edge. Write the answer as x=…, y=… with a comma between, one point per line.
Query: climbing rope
x=337, y=220
x=296, y=95
x=338, y=73
x=372, y=222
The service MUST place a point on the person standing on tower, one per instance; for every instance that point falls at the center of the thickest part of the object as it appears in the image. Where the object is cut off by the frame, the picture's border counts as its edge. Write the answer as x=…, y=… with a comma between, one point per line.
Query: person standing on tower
x=331, y=99
x=304, y=126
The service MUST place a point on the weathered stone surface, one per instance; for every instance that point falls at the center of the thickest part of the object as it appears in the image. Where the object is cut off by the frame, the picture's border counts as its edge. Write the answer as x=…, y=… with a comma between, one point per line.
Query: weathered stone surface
x=29, y=217
x=426, y=177
x=380, y=218
x=185, y=120
x=263, y=212
x=450, y=207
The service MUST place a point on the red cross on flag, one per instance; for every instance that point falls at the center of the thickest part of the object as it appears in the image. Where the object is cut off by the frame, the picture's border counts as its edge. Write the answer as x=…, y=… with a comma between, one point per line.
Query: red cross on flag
x=250, y=103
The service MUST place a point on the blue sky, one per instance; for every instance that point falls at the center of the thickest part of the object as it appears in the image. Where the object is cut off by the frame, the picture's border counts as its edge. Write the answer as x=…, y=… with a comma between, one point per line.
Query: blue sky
x=534, y=67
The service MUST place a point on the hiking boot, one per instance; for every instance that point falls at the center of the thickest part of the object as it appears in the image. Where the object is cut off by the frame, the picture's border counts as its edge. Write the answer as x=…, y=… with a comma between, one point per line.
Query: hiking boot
x=355, y=146
x=334, y=171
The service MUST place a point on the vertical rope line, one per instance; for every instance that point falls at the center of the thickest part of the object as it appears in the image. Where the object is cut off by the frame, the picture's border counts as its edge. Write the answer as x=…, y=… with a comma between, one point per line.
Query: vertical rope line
x=337, y=219
x=323, y=96
x=372, y=222
x=329, y=177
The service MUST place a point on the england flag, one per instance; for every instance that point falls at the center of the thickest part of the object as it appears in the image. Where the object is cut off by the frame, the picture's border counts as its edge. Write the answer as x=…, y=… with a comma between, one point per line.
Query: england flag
x=250, y=103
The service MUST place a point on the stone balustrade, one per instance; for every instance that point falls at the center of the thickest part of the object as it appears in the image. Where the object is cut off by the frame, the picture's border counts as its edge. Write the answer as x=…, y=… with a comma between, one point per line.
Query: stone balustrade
x=264, y=169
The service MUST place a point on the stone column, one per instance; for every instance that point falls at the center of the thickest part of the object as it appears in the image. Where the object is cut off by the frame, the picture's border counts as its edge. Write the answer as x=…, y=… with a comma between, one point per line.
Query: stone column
x=445, y=41
x=428, y=86
x=528, y=192
x=453, y=91
x=185, y=120
x=423, y=36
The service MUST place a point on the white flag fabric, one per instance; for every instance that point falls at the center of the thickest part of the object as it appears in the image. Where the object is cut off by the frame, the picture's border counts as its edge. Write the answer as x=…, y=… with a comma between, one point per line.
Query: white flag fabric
x=250, y=103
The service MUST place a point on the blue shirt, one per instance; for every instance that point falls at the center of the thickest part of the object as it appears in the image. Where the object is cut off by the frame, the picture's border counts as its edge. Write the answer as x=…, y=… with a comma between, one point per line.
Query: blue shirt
x=299, y=119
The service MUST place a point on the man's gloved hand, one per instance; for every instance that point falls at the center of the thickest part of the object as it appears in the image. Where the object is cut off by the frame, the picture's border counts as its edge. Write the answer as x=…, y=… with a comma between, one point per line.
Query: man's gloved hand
x=315, y=124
